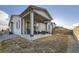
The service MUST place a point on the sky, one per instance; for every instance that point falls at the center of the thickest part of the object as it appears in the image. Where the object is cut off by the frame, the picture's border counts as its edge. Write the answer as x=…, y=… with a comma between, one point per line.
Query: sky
x=63, y=15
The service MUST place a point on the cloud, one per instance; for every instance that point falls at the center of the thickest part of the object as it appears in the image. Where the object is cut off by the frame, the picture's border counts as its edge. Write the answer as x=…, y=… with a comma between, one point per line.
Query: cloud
x=62, y=23
x=3, y=20
x=74, y=25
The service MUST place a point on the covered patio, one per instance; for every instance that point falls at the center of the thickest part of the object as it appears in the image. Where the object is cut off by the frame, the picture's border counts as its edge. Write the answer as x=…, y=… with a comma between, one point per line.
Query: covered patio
x=35, y=22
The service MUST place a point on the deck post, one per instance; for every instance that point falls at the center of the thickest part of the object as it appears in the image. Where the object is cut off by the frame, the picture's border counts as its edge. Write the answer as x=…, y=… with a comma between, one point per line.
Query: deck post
x=50, y=28
x=23, y=27
x=31, y=23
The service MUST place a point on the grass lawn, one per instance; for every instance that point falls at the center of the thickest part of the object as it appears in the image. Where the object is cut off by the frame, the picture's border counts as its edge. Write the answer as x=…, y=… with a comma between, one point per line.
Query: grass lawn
x=55, y=43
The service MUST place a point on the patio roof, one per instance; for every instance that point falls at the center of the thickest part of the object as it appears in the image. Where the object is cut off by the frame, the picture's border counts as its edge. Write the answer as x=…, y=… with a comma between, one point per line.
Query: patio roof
x=31, y=7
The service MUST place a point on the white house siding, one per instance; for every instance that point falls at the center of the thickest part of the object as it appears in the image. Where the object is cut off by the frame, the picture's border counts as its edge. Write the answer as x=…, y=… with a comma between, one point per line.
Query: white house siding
x=40, y=27
x=49, y=27
x=54, y=25
x=42, y=13
x=15, y=30
x=10, y=28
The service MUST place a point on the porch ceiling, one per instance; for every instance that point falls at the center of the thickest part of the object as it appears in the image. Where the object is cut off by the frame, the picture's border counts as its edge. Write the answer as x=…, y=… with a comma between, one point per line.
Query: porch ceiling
x=37, y=18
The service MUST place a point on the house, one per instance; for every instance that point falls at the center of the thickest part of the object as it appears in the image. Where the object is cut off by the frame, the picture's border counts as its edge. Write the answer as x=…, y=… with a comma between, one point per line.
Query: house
x=53, y=24
x=33, y=21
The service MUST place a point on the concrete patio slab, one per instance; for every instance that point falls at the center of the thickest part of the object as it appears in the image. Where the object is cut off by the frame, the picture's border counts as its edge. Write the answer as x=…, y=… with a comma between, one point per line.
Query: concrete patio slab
x=7, y=36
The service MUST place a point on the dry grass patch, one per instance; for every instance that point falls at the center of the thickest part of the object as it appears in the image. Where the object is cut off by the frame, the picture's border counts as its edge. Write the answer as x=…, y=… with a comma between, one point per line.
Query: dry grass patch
x=62, y=31
x=14, y=45
x=54, y=43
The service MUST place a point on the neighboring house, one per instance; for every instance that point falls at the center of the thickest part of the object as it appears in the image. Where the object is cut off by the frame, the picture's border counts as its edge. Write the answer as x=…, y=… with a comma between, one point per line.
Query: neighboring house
x=34, y=20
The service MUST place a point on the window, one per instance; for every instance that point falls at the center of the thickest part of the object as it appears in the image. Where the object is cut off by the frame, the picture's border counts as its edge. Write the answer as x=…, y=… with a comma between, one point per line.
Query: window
x=18, y=24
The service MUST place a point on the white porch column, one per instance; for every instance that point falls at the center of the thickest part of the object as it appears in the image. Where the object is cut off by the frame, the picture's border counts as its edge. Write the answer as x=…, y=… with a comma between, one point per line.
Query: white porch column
x=46, y=27
x=31, y=23
x=50, y=30
x=23, y=27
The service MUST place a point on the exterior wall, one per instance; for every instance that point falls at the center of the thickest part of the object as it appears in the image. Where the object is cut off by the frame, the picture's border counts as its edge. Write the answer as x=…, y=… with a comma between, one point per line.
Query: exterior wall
x=40, y=27
x=11, y=27
x=76, y=32
x=48, y=24
x=54, y=25
x=49, y=27
x=15, y=30
x=42, y=13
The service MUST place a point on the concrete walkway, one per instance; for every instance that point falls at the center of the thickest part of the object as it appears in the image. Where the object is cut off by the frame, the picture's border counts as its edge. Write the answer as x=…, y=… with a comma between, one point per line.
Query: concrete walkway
x=74, y=48
x=7, y=36
x=35, y=36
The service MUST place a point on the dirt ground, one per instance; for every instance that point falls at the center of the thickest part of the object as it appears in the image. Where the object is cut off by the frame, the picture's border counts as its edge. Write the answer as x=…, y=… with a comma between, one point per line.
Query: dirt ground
x=57, y=43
